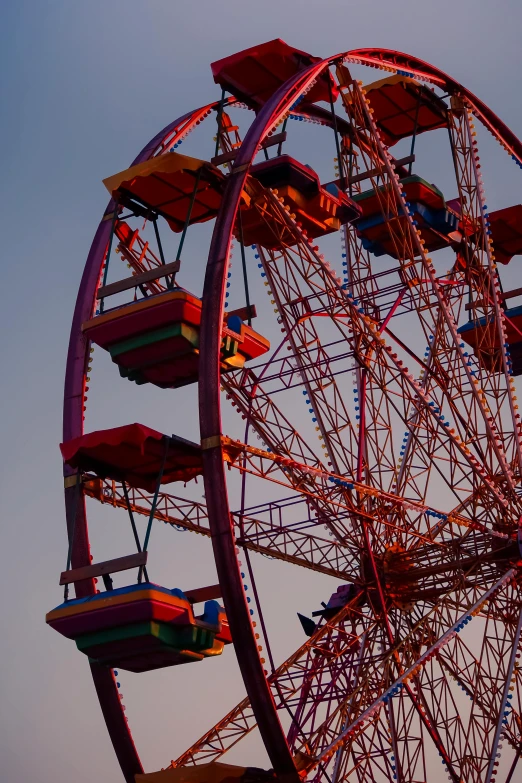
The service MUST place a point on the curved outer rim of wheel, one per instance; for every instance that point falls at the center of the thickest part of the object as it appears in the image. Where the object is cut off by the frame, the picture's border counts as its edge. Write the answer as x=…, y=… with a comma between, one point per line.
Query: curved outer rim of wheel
x=420, y=69
x=209, y=396
x=74, y=397
x=223, y=541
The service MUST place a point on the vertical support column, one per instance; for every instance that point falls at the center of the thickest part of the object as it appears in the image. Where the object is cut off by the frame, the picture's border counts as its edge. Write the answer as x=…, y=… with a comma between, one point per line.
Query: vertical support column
x=505, y=694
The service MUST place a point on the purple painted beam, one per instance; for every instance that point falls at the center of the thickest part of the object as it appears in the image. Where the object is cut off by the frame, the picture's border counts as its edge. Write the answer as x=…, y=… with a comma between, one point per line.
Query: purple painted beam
x=73, y=427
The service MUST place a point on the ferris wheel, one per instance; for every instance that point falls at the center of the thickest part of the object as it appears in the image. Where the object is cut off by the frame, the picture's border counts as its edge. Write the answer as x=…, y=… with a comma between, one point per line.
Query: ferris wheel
x=378, y=436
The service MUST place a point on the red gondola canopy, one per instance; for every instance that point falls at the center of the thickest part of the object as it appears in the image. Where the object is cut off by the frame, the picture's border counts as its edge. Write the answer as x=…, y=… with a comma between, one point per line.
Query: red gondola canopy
x=134, y=453
x=506, y=232
x=166, y=185
x=254, y=74
x=402, y=106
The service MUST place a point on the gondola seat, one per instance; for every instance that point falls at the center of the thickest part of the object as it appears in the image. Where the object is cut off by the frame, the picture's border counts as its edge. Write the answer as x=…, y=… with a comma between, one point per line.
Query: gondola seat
x=317, y=209
x=142, y=627
x=482, y=336
x=438, y=224
x=156, y=339
x=213, y=772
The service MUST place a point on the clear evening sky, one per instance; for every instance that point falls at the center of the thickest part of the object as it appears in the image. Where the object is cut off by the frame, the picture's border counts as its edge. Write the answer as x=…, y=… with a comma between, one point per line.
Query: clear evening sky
x=83, y=86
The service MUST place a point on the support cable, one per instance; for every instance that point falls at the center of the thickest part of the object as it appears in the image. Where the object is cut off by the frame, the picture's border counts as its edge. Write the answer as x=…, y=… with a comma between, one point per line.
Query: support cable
x=504, y=704
x=158, y=240
x=189, y=215
x=219, y=116
x=73, y=531
x=109, y=248
x=153, y=506
x=336, y=133
x=243, y=263
x=133, y=524
x=414, y=137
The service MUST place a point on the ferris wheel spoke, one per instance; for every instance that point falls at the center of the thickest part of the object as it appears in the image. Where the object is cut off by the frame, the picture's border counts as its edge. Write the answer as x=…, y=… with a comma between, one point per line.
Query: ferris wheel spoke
x=389, y=365
x=230, y=730
x=363, y=282
x=502, y=651
x=347, y=500
x=478, y=506
x=421, y=276
x=263, y=528
x=468, y=728
x=369, y=756
x=291, y=541
x=487, y=301
x=373, y=689
x=247, y=395
x=410, y=475
x=317, y=370
x=377, y=437
x=287, y=540
x=481, y=686
x=286, y=682
x=445, y=622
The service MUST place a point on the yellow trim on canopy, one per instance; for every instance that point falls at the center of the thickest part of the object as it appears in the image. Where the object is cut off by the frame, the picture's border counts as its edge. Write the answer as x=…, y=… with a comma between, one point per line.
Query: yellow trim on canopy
x=389, y=80
x=168, y=163
x=215, y=772
x=147, y=594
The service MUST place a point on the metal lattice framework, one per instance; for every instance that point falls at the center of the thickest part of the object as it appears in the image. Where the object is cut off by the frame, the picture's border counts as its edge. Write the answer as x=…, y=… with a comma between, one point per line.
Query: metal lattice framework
x=406, y=486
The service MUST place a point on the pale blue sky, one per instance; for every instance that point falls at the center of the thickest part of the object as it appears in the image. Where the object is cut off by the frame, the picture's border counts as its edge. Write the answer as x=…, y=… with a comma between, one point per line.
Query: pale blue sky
x=84, y=85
